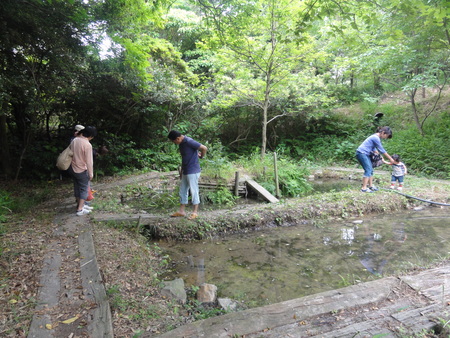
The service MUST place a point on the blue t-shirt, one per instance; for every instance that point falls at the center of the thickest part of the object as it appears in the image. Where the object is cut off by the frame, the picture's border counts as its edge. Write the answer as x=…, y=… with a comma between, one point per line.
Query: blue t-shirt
x=370, y=144
x=189, y=156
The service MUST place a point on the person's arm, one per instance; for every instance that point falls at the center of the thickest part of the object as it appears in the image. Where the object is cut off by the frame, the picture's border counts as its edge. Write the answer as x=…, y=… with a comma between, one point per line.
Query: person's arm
x=202, y=151
x=89, y=161
x=404, y=166
x=389, y=157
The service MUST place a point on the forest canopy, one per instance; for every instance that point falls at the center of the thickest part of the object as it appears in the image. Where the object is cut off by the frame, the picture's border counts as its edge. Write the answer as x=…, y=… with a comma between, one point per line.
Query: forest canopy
x=242, y=75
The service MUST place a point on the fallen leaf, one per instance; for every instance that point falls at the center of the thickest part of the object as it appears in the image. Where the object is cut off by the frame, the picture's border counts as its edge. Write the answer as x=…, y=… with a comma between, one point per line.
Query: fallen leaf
x=70, y=321
x=48, y=326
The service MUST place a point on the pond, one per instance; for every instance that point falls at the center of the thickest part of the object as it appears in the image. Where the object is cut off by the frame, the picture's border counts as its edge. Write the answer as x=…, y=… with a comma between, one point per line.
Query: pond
x=278, y=264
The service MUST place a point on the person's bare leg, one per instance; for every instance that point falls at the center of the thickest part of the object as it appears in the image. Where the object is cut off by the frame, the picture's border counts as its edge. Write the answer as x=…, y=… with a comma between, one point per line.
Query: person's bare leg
x=181, y=212
x=194, y=212
x=80, y=204
x=365, y=181
x=370, y=182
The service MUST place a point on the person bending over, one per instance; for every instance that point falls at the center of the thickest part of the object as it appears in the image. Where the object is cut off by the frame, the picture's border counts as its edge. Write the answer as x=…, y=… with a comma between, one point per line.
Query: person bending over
x=190, y=151
x=370, y=144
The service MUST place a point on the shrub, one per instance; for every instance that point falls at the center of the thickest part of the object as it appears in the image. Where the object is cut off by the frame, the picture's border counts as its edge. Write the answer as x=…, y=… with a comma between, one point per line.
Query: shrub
x=123, y=156
x=5, y=203
x=221, y=196
x=216, y=164
x=428, y=154
x=292, y=176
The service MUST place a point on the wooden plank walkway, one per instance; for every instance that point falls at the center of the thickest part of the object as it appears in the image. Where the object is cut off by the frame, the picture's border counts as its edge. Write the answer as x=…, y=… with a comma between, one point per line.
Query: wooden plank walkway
x=261, y=191
x=386, y=307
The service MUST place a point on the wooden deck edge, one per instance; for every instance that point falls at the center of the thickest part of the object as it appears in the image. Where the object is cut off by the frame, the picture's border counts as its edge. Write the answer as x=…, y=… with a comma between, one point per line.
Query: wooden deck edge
x=285, y=313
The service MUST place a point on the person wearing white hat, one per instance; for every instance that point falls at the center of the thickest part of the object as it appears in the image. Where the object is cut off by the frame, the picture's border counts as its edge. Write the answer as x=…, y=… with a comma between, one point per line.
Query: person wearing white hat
x=77, y=128
x=82, y=168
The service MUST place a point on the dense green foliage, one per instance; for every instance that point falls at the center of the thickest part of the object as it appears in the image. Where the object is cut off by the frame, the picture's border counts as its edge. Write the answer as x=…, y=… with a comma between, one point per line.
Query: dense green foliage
x=428, y=154
x=304, y=79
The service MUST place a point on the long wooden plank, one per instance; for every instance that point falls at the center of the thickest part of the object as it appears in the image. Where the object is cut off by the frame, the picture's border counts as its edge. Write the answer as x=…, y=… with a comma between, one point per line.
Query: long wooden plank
x=101, y=325
x=262, y=191
x=257, y=320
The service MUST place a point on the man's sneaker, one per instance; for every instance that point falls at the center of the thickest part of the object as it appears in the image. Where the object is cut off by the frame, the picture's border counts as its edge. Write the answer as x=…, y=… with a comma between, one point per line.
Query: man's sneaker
x=366, y=190
x=373, y=188
x=83, y=212
x=87, y=207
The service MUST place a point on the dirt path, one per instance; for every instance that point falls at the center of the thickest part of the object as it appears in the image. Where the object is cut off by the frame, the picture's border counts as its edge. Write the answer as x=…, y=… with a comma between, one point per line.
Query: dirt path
x=71, y=301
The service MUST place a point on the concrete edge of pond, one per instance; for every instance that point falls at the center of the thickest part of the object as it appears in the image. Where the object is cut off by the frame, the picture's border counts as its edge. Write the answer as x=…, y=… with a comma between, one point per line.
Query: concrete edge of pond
x=264, y=319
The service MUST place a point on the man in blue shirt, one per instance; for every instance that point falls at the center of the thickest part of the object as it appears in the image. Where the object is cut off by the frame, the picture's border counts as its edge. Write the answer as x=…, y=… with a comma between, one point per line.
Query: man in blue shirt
x=190, y=151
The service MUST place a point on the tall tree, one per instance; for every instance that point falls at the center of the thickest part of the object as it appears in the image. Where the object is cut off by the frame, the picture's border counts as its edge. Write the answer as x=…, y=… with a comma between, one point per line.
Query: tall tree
x=261, y=54
x=40, y=46
x=401, y=45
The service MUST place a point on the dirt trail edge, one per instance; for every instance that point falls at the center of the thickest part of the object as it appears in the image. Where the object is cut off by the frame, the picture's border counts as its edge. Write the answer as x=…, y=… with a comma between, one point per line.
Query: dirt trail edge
x=71, y=300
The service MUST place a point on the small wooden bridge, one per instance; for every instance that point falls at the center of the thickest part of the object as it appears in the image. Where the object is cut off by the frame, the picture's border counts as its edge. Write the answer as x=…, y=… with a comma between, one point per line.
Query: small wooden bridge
x=240, y=187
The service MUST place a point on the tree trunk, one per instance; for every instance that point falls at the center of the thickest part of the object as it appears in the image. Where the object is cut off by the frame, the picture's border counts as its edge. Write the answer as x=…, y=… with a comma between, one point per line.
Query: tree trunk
x=412, y=96
x=265, y=107
x=264, y=132
x=376, y=81
x=5, y=155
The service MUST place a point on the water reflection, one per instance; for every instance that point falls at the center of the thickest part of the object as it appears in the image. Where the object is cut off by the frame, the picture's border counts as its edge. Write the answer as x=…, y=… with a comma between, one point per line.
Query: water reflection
x=284, y=263
x=348, y=235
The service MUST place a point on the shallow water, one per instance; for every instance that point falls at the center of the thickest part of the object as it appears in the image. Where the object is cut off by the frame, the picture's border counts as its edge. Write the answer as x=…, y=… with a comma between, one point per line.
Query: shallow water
x=329, y=185
x=278, y=264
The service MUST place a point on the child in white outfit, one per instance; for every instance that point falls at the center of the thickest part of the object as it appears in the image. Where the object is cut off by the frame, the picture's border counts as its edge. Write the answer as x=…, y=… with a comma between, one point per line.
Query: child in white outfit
x=398, y=172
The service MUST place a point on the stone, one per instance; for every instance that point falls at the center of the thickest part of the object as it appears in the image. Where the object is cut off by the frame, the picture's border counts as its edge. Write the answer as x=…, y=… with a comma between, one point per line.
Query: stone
x=207, y=293
x=175, y=290
x=228, y=304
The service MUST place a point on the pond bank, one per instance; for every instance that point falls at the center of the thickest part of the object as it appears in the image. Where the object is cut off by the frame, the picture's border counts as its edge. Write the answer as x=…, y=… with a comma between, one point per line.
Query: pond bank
x=315, y=209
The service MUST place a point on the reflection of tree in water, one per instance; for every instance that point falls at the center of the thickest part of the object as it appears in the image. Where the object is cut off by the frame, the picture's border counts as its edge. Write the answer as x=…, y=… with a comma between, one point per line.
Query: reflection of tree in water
x=200, y=267
x=379, y=251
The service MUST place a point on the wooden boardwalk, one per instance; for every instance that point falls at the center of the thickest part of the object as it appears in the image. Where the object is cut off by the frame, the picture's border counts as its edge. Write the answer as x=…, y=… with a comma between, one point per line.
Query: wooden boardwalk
x=388, y=307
